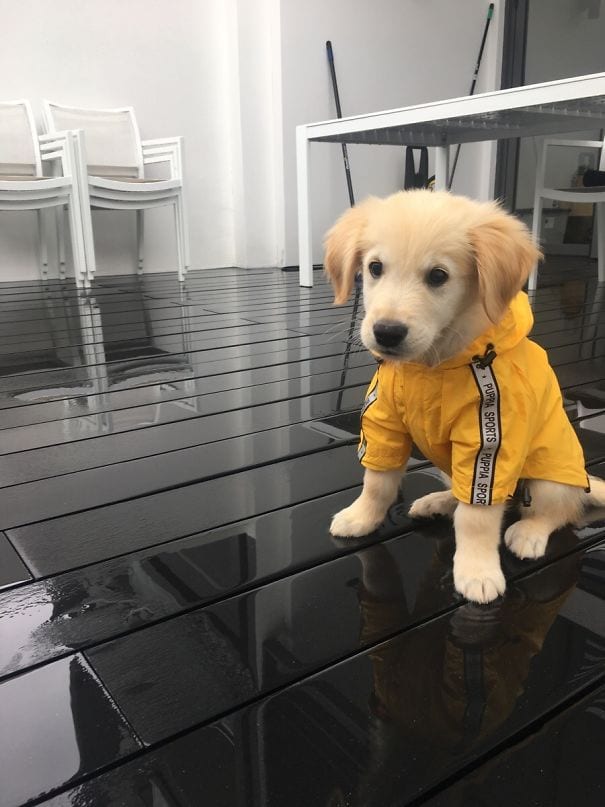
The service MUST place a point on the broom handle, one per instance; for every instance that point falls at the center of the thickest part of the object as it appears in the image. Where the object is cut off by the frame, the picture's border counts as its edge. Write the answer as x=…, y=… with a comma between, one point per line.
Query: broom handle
x=345, y=157
x=345, y=154
x=490, y=14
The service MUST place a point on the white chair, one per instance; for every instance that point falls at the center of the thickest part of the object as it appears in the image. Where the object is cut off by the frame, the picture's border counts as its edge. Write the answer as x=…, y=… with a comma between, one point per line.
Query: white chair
x=23, y=185
x=594, y=195
x=115, y=157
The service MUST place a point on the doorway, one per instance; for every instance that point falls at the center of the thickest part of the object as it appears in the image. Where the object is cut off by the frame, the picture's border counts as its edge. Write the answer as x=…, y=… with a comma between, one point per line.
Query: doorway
x=546, y=41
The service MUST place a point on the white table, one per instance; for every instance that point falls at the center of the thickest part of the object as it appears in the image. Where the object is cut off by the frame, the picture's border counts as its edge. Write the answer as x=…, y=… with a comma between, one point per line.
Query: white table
x=539, y=109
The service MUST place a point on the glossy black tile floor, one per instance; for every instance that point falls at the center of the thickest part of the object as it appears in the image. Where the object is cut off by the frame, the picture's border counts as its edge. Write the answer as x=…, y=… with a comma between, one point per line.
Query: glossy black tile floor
x=177, y=627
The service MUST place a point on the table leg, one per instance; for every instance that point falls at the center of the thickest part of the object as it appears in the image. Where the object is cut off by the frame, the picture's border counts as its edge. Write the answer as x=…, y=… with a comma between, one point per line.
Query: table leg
x=442, y=167
x=305, y=261
x=601, y=240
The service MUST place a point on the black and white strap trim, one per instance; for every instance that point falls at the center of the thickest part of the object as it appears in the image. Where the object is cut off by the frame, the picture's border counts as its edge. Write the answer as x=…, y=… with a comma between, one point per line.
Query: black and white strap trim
x=490, y=429
x=371, y=398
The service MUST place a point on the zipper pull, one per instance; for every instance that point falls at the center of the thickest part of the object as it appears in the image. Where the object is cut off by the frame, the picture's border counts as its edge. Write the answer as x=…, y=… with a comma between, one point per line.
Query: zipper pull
x=487, y=358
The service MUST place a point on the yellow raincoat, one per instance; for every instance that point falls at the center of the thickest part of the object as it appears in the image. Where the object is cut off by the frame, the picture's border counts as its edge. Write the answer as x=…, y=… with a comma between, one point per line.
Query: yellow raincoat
x=488, y=417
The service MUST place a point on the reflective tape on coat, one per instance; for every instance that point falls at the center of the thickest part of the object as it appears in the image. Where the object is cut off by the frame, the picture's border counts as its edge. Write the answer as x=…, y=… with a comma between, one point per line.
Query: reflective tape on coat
x=490, y=429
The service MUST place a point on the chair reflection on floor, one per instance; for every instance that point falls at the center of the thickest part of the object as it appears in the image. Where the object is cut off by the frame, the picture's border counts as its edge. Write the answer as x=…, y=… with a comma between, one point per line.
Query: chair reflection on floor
x=68, y=357
x=142, y=353
x=97, y=350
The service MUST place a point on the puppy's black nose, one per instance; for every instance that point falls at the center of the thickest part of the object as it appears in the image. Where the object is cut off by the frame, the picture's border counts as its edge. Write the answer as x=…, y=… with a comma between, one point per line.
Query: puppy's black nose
x=389, y=333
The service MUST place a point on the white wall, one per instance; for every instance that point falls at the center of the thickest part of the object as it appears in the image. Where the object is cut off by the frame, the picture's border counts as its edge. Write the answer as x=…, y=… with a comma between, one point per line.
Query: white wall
x=170, y=59
x=257, y=132
x=388, y=53
x=235, y=77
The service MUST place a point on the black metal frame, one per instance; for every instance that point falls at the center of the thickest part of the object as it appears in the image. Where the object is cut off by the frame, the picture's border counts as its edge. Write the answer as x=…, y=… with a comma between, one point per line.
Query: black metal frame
x=513, y=75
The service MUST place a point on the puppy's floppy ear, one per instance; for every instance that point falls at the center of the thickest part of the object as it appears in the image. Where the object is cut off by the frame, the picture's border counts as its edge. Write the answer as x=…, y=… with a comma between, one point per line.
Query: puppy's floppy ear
x=505, y=254
x=343, y=248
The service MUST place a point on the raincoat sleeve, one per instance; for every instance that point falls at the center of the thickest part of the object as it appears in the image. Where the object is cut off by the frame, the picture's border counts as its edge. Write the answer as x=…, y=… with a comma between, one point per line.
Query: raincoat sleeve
x=385, y=442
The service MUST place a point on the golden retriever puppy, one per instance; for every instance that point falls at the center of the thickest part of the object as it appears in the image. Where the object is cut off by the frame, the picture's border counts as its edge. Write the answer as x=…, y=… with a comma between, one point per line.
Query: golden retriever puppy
x=447, y=320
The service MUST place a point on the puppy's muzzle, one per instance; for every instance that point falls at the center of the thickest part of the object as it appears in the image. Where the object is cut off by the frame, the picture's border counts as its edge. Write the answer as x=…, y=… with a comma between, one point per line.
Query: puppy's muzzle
x=389, y=333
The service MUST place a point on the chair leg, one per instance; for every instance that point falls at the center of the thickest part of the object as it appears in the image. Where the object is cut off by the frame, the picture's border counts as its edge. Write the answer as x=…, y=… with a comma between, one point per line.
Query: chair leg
x=60, y=221
x=88, y=243
x=182, y=236
x=179, y=242
x=42, y=244
x=601, y=240
x=81, y=210
x=140, y=240
x=77, y=244
x=535, y=231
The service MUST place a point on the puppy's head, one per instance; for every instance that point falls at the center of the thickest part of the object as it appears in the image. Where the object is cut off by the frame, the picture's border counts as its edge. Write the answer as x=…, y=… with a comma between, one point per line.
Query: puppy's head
x=437, y=270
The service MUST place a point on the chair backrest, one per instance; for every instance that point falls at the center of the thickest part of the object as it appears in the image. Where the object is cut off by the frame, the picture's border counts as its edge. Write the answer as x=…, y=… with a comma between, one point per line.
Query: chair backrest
x=19, y=149
x=113, y=142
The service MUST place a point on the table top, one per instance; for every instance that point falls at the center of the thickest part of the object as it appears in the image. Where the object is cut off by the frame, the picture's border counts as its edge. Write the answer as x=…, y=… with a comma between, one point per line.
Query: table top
x=567, y=105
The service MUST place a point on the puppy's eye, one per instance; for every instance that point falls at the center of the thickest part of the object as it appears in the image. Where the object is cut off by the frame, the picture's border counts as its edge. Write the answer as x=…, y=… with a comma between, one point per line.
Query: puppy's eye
x=437, y=277
x=375, y=268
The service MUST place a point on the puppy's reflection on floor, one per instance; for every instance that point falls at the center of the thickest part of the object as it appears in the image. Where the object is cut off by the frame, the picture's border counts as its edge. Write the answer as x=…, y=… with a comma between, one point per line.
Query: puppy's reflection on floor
x=444, y=689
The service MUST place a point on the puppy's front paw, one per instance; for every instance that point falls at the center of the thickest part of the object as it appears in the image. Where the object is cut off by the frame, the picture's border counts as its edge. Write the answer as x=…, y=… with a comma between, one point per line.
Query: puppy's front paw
x=440, y=503
x=478, y=581
x=526, y=539
x=354, y=521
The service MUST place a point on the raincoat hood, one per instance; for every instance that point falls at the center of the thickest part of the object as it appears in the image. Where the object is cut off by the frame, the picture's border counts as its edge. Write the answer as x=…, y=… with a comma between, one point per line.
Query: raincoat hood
x=516, y=323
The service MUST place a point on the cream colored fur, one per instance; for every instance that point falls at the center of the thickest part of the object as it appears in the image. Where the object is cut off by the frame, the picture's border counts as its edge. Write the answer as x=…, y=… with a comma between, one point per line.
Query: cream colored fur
x=488, y=256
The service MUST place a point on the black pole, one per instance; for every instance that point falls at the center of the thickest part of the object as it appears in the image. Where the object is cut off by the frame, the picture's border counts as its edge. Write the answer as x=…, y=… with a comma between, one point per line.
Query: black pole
x=345, y=154
x=345, y=157
x=490, y=14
